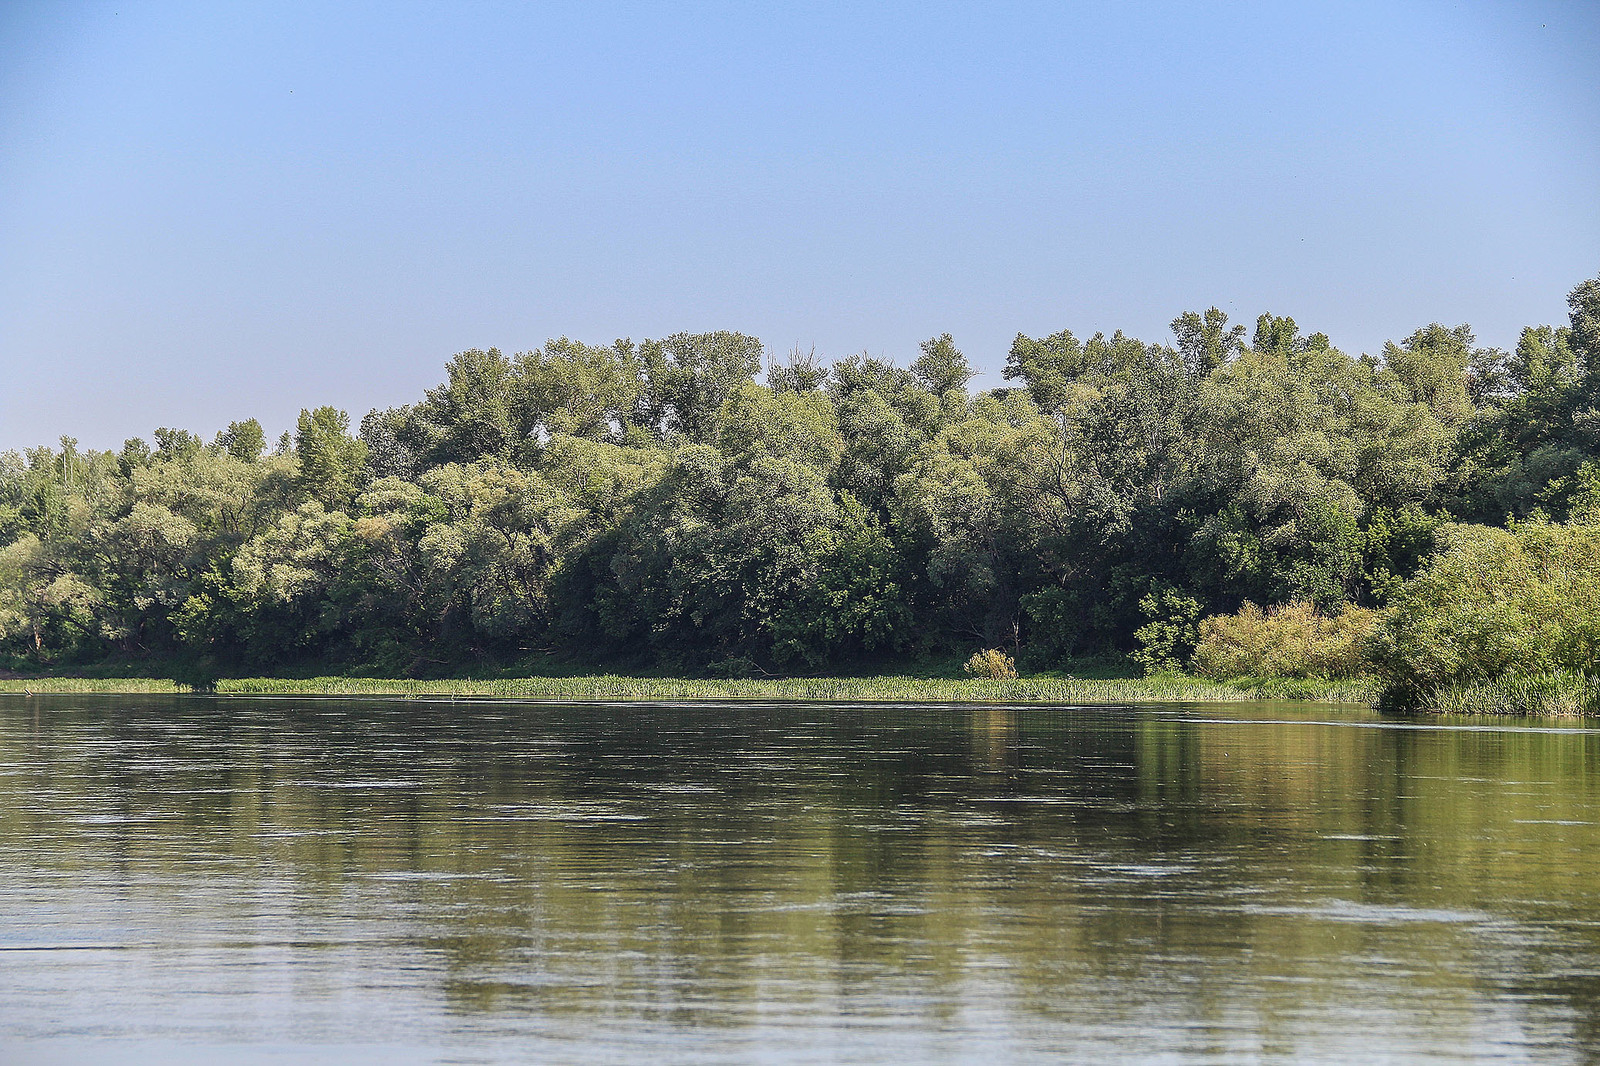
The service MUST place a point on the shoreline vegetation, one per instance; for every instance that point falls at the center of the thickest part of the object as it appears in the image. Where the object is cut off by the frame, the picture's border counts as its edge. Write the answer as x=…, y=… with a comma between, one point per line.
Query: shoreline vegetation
x=1417, y=527
x=1559, y=695
x=1556, y=695
x=609, y=687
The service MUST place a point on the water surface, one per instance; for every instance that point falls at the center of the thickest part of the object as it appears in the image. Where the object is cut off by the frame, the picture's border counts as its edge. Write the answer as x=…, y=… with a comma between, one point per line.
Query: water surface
x=198, y=879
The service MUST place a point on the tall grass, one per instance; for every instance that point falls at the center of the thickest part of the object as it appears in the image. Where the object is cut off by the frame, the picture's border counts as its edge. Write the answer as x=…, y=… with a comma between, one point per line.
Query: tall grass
x=1159, y=688
x=121, y=685
x=864, y=689
x=1559, y=694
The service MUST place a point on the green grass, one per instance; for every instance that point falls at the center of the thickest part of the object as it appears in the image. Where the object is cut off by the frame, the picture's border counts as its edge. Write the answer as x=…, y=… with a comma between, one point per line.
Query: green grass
x=1555, y=695
x=91, y=684
x=1169, y=687
x=1545, y=695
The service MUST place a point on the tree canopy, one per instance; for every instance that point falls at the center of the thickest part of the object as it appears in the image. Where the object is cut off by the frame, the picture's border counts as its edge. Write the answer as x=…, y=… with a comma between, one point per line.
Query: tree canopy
x=670, y=504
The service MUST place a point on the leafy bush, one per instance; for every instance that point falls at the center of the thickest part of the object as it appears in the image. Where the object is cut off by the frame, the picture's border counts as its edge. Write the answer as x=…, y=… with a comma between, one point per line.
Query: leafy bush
x=1293, y=640
x=994, y=664
x=1494, y=602
x=1168, y=639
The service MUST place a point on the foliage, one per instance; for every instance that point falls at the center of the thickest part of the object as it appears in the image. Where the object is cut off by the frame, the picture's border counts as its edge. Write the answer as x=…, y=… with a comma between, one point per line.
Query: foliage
x=1495, y=602
x=891, y=689
x=992, y=663
x=1558, y=694
x=659, y=505
x=1167, y=640
x=332, y=463
x=1288, y=640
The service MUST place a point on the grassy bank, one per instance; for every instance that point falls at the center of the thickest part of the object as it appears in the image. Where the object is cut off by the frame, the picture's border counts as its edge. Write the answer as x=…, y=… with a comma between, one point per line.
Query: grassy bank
x=856, y=689
x=1553, y=695
x=119, y=685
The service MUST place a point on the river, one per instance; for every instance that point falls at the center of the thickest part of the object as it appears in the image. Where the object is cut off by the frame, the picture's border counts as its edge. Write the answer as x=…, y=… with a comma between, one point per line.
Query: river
x=193, y=879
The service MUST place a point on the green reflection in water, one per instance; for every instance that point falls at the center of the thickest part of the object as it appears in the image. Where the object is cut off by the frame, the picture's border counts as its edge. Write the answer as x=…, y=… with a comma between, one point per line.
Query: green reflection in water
x=788, y=882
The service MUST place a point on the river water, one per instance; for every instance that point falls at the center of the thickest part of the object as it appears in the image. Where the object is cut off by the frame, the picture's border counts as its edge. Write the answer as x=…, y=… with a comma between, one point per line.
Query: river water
x=193, y=879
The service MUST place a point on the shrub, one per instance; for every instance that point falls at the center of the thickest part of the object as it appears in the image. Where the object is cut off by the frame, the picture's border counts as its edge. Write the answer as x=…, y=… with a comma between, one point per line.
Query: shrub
x=1294, y=640
x=1493, y=602
x=1168, y=639
x=993, y=663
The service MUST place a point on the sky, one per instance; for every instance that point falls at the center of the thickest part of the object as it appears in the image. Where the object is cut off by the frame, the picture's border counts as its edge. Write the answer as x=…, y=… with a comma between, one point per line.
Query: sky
x=210, y=212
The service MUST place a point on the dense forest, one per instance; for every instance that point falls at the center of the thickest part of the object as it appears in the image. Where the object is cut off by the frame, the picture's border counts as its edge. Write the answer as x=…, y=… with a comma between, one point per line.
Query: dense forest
x=691, y=504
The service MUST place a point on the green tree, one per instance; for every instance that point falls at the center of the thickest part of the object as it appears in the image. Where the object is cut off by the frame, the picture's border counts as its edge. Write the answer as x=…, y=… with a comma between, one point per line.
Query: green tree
x=244, y=440
x=578, y=390
x=1521, y=455
x=757, y=422
x=333, y=465
x=802, y=372
x=689, y=376
x=941, y=368
x=1205, y=342
x=1167, y=641
x=1433, y=366
x=471, y=416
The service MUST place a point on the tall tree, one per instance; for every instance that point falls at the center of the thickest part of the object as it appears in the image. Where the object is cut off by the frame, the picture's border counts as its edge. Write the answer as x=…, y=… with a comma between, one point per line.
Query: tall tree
x=333, y=464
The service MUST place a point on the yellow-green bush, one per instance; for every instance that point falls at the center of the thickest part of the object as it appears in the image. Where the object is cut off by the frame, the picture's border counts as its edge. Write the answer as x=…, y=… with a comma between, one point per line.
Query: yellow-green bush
x=1294, y=640
x=993, y=663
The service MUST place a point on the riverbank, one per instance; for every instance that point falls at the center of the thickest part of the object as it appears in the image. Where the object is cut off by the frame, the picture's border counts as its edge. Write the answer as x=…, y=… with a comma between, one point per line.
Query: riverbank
x=1542, y=696
x=1168, y=687
x=1561, y=694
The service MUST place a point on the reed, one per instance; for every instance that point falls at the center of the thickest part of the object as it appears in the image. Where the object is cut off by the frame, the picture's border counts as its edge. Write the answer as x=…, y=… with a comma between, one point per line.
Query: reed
x=1559, y=694
x=1160, y=688
x=845, y=689
x=120, y=685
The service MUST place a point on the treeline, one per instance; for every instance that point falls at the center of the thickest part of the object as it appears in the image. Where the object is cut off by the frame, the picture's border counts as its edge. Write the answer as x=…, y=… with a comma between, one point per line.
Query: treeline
x=675, y=504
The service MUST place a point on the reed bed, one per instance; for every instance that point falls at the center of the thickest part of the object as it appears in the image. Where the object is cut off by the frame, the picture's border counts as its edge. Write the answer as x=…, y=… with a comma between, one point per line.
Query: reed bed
x=117, y=685
x=846, y=689
x=1161, y=688
x=1561, y=694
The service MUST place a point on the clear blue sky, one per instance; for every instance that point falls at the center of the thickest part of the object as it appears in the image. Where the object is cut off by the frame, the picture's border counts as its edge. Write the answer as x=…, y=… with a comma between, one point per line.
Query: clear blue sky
x=215, y=211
